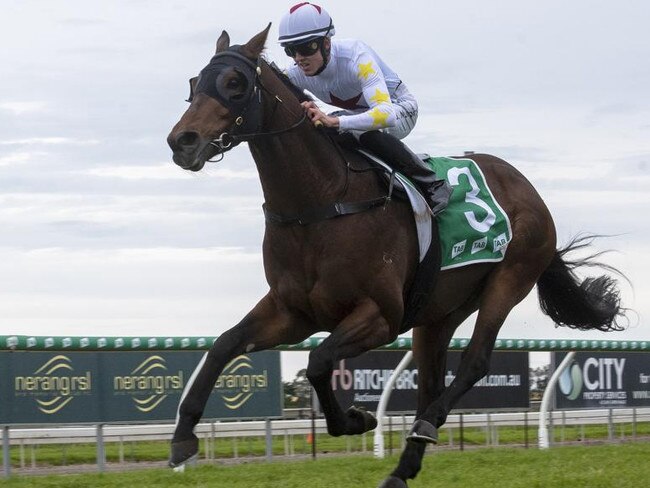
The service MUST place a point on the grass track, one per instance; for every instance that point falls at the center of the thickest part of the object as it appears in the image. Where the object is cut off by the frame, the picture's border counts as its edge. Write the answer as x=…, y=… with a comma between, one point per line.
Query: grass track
x=620, y=466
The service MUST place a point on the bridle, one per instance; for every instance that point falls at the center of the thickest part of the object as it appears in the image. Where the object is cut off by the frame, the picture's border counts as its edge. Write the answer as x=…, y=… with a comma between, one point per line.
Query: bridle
x=246, y=108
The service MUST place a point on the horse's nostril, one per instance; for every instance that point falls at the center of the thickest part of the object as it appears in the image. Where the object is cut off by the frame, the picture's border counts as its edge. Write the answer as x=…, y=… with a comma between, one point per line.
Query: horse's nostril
x=187, y=139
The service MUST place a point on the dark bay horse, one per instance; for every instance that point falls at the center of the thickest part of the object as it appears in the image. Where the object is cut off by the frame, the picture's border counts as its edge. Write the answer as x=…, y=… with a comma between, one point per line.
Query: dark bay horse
x=350, y=275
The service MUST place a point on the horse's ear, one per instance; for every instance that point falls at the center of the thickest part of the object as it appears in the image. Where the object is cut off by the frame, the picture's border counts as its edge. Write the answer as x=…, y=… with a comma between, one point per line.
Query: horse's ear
x=224, y=42
x=253, y=48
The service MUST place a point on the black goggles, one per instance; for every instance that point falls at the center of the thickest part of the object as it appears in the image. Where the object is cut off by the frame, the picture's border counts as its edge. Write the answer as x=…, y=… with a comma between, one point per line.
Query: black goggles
x=305, y=49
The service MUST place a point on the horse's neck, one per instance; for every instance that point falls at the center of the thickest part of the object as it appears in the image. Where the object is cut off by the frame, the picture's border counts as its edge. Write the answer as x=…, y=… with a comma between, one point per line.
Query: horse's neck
x=298, y=171
x=300, y=168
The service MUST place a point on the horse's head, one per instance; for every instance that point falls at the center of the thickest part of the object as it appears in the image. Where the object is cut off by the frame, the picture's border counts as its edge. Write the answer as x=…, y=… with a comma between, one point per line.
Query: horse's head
x=224, y=102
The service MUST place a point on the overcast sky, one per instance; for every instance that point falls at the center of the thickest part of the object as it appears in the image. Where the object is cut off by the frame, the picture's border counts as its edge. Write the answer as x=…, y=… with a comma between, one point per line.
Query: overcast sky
x=101, y=234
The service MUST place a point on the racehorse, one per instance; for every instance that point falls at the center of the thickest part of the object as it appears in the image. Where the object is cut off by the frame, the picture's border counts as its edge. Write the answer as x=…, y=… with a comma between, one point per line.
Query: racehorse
x=348, y=272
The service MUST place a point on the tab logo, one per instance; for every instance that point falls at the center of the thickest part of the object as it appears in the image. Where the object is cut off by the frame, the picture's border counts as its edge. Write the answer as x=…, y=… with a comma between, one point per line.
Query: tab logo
x=458, y=248
x=500, y=243
x=479, y=245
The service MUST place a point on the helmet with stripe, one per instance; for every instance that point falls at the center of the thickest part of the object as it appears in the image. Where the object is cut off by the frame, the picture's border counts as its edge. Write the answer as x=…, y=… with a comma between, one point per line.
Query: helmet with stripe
x=304, y=22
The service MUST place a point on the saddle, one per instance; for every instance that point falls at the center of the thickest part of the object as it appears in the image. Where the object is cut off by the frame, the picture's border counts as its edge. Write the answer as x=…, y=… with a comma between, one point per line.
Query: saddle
x=385, y=151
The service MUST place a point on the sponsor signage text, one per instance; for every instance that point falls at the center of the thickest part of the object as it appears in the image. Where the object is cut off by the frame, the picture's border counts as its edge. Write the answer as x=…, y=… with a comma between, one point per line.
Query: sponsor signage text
x=603, y=380
x=360, y=381
x=73, y=387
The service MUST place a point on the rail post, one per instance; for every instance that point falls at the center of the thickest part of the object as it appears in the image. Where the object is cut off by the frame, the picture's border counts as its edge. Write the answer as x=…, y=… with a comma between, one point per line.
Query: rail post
x=269, y=440
x=312, y=398
x=610, y=425
x=542, y=435
x=383, y=403
x=6, y=455
x=462, y=433
x=526, y=429
x=101, y=453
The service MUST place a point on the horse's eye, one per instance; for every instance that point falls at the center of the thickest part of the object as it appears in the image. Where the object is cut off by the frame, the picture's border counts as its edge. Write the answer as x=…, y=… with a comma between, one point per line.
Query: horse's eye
x=233, y=83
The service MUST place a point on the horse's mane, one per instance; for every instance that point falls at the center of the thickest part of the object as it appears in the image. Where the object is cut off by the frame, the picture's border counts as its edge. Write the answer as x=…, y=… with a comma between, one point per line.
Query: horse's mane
x=298, y=92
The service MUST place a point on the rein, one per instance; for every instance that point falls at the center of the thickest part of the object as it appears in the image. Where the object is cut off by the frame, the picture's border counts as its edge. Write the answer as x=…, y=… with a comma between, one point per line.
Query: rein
x=225, y=140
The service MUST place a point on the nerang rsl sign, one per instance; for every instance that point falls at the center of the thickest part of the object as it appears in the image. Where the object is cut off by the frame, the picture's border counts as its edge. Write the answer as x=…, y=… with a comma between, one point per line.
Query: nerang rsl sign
x=603, y=380
x=73, y=387
x=41, y=386
x=361, y=380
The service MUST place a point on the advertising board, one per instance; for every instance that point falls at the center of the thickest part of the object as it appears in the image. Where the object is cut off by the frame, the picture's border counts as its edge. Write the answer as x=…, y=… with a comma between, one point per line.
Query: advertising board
x=603, y=380
x=73, y=387
x=361, y=380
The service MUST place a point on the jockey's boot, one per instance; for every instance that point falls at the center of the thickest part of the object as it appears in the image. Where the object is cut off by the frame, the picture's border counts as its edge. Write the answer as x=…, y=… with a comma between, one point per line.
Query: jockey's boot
x=397, y=155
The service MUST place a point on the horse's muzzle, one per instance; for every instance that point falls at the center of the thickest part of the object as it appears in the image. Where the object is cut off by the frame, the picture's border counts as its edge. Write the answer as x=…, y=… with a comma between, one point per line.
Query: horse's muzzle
x=190, y=151
x=188, y=162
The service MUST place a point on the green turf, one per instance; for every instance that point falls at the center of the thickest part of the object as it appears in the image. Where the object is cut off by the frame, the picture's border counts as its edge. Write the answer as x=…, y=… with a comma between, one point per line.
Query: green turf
x=620, y=466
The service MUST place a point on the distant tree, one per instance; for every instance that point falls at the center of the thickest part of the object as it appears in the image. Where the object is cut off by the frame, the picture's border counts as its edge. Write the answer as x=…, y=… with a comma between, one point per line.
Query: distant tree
x=297, y=392
x=538, y=381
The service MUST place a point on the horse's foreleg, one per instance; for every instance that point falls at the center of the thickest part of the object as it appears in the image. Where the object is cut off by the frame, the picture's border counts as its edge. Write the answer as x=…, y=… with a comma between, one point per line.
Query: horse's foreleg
x=364, y=329
x=264, y=327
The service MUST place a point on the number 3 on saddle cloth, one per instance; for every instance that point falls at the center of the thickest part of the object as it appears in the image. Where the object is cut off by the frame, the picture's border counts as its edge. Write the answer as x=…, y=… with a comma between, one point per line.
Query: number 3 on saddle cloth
x=472, y=229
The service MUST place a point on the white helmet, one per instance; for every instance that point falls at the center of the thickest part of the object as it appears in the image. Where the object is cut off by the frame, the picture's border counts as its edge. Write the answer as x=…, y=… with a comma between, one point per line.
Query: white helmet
x=304, y=22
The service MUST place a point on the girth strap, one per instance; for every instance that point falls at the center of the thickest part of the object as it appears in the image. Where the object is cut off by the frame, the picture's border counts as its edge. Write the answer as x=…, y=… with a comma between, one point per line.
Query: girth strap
x=330, y=211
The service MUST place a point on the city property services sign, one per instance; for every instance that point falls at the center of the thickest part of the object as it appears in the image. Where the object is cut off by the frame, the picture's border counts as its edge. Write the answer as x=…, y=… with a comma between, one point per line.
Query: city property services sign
x=72, y=387
x=604, y=380
x=361, y=380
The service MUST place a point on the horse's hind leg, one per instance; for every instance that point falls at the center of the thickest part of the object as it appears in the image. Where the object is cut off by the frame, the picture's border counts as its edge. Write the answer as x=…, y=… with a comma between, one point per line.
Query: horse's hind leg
x=362, y=330
x=430, y=345
x=263, y=328
x=506, y=287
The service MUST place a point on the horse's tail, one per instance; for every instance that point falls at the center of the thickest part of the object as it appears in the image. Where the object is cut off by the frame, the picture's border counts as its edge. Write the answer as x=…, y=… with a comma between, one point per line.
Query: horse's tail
x=590, y=304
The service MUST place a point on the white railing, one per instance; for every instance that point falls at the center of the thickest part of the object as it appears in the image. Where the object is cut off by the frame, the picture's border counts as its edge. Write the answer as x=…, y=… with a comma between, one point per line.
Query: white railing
x=39, y=435
x=208, y=432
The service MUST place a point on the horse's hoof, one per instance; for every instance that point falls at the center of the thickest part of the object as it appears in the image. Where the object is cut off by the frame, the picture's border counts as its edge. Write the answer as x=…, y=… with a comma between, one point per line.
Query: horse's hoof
x=361, y=416
x=393, y=482
x=423, y=431
x=184, y=452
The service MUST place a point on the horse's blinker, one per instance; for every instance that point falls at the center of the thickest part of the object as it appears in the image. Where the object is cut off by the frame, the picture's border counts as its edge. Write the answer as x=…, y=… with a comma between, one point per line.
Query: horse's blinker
x=246, y=108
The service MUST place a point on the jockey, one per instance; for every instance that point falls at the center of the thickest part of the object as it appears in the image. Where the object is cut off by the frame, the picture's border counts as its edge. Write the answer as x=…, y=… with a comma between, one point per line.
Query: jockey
x=377, y=107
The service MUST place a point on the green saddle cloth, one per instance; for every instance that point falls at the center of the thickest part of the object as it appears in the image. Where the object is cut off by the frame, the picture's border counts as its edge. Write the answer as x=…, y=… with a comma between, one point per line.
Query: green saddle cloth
x=473, y=228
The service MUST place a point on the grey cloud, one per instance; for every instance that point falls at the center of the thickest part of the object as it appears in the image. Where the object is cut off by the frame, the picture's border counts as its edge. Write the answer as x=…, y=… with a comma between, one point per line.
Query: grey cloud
x=537, y=84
